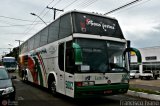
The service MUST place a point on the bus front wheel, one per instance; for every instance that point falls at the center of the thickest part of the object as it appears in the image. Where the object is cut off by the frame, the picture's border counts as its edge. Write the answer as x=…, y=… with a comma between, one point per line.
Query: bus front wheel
x=52, y=87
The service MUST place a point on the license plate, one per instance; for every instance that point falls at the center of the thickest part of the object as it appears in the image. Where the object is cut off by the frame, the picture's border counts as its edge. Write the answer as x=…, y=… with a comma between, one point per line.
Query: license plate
x=108, y=91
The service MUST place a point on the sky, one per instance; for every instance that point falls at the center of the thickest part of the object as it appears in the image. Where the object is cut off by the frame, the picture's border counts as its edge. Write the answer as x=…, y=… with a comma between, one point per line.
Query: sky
x=140, y=22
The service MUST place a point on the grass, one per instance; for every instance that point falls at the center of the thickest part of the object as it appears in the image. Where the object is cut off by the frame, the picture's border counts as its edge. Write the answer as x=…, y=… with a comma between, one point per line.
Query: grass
x=144, y=91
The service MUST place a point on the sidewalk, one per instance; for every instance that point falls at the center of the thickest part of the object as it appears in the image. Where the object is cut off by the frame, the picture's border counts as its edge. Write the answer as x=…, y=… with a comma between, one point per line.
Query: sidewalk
x=144, y=95
x=152, y=85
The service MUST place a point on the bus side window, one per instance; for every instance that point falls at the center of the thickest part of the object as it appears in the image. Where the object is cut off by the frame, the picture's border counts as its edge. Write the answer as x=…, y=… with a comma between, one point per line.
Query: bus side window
x=61, y=57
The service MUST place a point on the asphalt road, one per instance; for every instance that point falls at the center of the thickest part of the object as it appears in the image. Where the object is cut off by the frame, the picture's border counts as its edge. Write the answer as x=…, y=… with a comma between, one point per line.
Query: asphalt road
x=28, y=94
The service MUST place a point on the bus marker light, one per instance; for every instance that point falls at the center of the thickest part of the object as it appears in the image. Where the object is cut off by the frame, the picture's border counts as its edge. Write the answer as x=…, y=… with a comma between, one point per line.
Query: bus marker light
x=78, y=84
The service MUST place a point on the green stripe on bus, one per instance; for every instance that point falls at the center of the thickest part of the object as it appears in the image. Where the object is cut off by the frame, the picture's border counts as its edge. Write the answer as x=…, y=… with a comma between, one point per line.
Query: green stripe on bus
x=38, y=68
x=100, y=90
x=44, y=69
x=101, y=87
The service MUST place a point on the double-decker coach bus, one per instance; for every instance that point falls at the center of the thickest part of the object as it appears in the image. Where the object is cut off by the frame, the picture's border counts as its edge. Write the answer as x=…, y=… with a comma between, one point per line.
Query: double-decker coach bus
x=79, y=54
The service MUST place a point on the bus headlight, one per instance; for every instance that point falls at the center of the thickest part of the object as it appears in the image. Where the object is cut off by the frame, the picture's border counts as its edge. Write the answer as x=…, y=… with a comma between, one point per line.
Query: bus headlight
x=8, y=90
x=91, y=83
x=87, y=83
x=84, y=83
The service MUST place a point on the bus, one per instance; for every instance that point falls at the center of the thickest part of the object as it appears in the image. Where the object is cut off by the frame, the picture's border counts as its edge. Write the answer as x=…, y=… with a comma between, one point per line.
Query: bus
x=10, y=63
x=79, y=55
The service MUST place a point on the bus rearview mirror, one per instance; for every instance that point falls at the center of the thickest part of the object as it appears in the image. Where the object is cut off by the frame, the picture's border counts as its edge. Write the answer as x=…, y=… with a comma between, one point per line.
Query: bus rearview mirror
x=77, y=53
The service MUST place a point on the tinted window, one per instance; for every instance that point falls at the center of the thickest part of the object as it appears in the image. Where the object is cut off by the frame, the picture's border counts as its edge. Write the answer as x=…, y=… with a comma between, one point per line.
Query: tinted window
x=37, y=40
x=61, y=57
x=22, y=48
x=65, y=26
x=31, y=43
x=53, y=31
x=96, y=25
x=44, y=36
x=26, y=46
x=70, y=61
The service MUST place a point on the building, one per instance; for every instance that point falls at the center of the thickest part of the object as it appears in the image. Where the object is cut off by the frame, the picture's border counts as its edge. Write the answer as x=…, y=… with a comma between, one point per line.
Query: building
x=150, y=59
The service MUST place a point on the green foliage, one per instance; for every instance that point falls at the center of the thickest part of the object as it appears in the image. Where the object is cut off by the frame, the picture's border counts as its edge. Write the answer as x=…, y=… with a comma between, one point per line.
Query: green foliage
x=13, y=53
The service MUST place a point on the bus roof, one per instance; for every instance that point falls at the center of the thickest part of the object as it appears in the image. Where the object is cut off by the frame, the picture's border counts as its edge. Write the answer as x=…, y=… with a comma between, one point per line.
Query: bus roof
x=75, y=22
x=89, y=13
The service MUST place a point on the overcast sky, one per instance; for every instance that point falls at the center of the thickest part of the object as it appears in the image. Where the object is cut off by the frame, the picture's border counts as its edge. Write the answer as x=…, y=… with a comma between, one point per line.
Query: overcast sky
x=140, y=22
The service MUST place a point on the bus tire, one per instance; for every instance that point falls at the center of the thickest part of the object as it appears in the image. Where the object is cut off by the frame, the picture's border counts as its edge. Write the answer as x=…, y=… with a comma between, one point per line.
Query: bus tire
x=52, y=86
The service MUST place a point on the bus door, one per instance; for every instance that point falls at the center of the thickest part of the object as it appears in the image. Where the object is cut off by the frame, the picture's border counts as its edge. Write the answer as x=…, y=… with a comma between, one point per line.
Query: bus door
x=61, y=72
x=69, y=70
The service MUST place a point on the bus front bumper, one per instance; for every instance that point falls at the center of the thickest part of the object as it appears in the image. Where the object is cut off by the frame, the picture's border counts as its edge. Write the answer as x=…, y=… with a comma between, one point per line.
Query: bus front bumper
x=101, y=90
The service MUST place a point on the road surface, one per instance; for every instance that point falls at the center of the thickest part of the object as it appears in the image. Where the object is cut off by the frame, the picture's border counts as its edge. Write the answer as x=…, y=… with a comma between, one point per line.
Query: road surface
x=28, y=94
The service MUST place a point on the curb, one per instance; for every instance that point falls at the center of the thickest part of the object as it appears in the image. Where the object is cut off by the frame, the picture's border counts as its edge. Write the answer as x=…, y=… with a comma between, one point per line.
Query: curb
x=144, y=95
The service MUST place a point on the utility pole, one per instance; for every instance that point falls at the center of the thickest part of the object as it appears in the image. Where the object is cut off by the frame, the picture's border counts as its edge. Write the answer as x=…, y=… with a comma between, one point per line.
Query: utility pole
x=54, y=10
x=19, y=41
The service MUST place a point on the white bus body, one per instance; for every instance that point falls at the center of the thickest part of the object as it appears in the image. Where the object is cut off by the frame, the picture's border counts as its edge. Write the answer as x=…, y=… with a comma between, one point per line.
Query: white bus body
x=89, y=61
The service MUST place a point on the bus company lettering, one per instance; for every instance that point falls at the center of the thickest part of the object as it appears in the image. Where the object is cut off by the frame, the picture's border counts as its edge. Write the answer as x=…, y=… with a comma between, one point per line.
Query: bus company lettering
x=100, y=77
x=87, y=78
x=100, y=24
x=69, y=85
x=91, y=23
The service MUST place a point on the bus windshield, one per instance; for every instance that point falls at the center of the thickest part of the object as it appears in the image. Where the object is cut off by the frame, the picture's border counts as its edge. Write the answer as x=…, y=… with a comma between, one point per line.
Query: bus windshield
x=102, y=56
x=9, y=62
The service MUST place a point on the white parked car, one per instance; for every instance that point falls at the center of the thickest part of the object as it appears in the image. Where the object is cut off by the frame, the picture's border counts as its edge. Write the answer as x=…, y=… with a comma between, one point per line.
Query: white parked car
x=134, y=74
x=147, y=75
